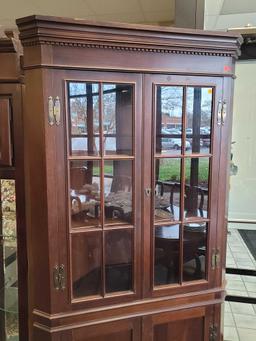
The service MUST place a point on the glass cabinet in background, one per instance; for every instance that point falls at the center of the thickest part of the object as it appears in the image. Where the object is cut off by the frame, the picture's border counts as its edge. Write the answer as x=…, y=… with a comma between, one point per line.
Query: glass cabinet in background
x=8, y=256
x=127, y=135
x=13, y=253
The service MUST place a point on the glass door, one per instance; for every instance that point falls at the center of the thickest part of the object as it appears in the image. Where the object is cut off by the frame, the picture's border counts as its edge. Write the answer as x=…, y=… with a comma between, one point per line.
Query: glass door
x=183, y=183
x=103, y=165
x=9, y=319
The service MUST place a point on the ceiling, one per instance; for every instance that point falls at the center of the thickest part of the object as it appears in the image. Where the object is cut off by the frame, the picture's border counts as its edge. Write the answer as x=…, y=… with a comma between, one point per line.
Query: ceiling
x=160, y=12
x=225, y=14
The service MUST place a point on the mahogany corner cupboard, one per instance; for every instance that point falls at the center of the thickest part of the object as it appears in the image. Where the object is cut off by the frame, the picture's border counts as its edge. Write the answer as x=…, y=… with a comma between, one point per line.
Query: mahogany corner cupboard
x=126, y=149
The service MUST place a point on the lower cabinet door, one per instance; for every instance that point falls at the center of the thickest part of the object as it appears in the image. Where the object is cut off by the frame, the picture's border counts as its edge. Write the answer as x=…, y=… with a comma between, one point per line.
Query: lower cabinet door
x=123, y=330
x=183, y=325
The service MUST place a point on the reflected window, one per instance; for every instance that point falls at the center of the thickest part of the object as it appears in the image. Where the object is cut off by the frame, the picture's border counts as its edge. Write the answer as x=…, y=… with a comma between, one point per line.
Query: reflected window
x=199, y=119
x=168, y=123
x=167, y=189
x=118, y=118
x=84, y=119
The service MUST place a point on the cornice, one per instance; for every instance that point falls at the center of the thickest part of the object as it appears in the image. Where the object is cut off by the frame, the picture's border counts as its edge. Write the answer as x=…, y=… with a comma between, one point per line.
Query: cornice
x=6, y=46
x=42, y=30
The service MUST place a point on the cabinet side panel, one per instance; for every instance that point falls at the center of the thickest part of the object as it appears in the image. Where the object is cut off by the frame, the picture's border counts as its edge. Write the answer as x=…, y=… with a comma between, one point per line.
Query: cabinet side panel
x=36, y=192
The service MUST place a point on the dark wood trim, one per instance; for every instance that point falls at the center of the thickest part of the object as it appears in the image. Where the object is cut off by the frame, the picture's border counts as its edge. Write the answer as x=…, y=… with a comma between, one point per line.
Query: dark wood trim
x=240, y=299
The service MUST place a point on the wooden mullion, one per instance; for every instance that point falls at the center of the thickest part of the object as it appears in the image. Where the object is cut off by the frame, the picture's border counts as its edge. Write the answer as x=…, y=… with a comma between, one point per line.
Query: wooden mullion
x=167, y=222
x=102, y=214
x=182, y=181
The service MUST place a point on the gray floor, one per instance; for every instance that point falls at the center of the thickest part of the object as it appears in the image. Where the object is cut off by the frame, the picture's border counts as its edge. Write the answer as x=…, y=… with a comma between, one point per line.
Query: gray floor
x=240, y=318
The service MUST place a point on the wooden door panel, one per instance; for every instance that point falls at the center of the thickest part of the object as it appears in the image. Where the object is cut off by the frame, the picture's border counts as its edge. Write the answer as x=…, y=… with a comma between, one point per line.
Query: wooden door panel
x=126, y=330
x=182, y=325
x=5, y=133
x=184, y=330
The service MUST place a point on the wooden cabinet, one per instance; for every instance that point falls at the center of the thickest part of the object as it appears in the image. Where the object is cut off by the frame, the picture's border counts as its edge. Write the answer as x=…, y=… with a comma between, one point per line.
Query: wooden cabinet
x=127, y=137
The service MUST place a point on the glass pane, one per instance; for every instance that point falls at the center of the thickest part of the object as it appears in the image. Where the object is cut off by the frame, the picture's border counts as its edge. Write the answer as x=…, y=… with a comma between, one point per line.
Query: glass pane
x=86, y=264
x=194, y=251
x=8, y=262
x=169, y=101
x=196, y=187
x=167, y=254
x=198, y=119
x=84, y=118
x=118, y=185
x=85, y=193
x=118, y=118
x=119, y=267
x=167, y=194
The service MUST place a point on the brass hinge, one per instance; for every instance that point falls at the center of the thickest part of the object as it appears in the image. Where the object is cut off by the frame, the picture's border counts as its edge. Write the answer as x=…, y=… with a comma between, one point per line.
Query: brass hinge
x=213, y=332
x=53, y=111
x=215, y=258
x=221, y=112
x=59, y=278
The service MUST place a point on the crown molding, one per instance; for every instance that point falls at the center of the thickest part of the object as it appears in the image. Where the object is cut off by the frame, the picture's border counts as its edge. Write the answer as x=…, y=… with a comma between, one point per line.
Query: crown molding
x=43, y=30
x=6, y=46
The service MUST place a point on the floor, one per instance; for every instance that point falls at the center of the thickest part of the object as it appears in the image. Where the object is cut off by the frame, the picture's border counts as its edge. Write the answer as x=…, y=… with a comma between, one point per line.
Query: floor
x=240, y=318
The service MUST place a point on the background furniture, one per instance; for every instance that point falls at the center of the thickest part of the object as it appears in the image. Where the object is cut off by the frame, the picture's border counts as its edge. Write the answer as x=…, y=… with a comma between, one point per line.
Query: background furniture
x=13, y=251
x=104, y=98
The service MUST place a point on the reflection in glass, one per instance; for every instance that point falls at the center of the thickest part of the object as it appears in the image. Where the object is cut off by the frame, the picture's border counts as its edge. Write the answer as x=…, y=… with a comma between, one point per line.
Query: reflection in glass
x=167, y=194
x=85, y=193
x=86, y=264
x=118, y=185
x=118, y=118
x=198, y=119
x=169, y=120
x=196, y=187
x=167, y=254
x=118, y=268
x=194, y=251
x=9, y=319
x=84, y=118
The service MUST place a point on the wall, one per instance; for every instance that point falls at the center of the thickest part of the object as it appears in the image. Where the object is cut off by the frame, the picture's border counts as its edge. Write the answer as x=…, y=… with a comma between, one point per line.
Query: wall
x=242, y=201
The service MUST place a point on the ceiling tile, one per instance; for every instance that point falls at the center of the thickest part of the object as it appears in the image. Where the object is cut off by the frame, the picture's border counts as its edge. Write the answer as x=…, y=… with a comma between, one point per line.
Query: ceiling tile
x=102, y=7
x=213, y=7
x=238, y=6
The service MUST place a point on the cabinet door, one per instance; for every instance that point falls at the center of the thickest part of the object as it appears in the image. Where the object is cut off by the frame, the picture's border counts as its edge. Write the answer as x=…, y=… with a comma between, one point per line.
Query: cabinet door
x=125, y=330
x=103, y=189
x=182, y=325
x=181, y=181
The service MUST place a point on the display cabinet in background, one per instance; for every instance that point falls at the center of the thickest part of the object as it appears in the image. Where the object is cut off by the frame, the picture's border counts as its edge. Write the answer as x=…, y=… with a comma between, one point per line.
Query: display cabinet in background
x=126, y=148
x=13, y=253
